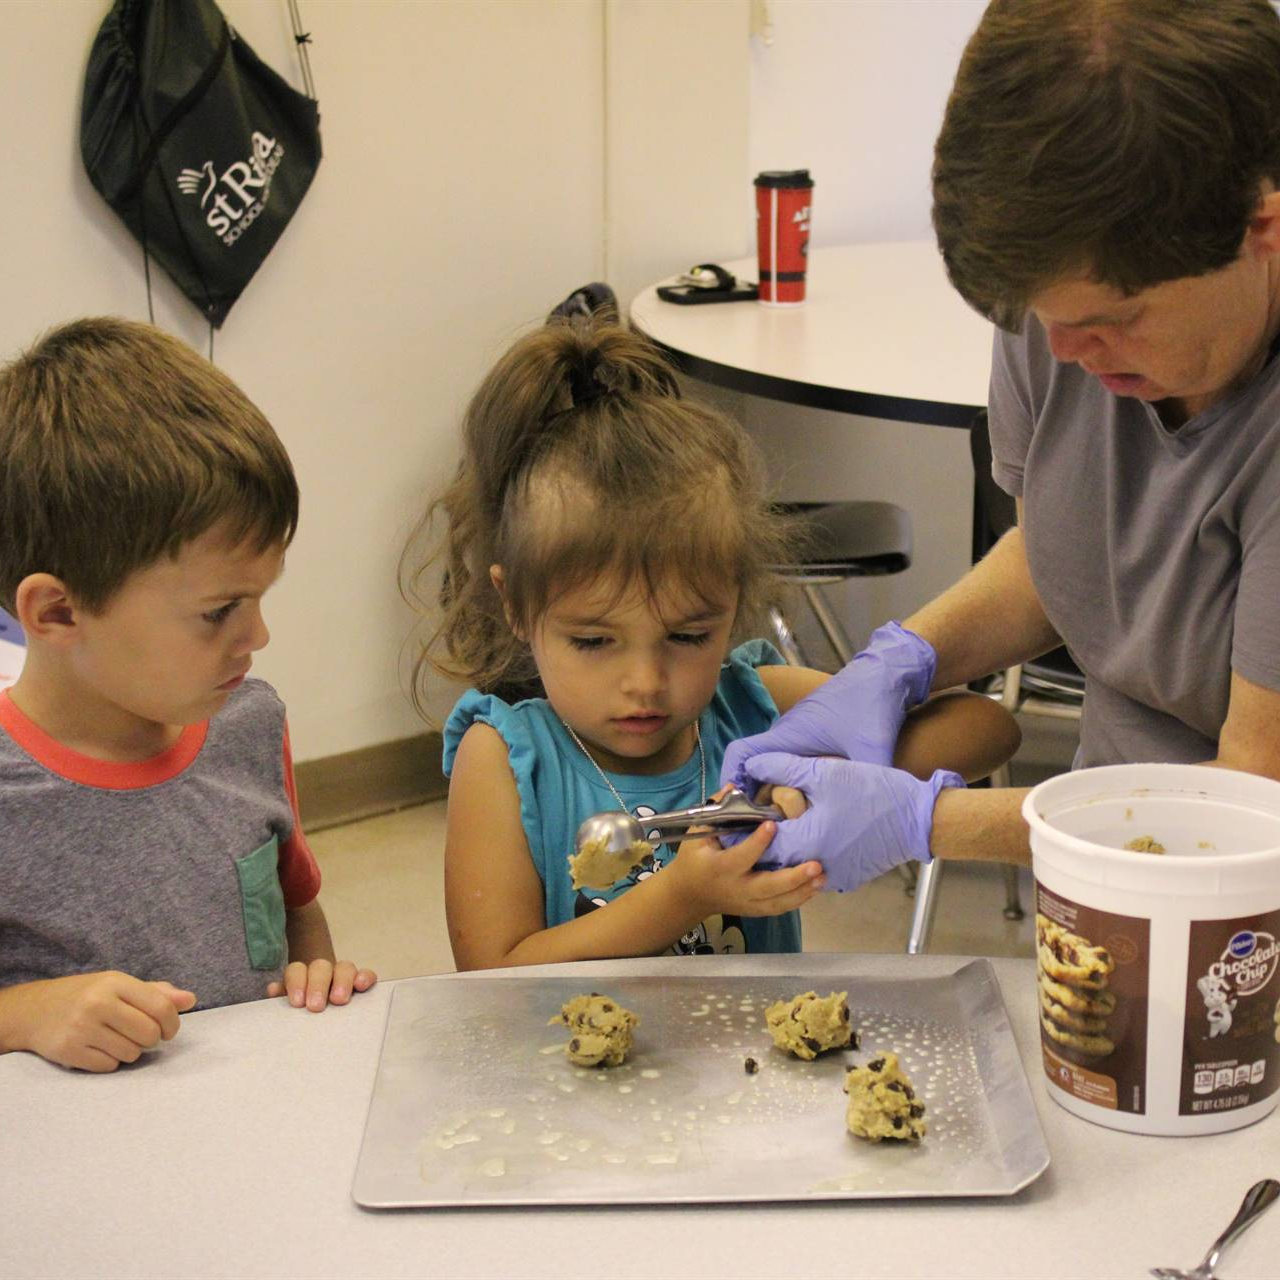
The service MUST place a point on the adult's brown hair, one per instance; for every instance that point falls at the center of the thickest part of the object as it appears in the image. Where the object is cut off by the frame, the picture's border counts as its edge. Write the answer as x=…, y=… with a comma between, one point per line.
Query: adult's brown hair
x=1124, y=141
x=119, y=444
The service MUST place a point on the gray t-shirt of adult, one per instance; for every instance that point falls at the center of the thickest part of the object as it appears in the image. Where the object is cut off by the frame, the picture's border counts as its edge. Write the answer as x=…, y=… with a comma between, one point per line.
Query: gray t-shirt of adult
x=1155, y=553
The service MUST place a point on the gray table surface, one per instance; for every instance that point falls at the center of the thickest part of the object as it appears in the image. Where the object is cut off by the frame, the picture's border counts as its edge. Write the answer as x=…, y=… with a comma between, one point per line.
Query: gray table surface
x=231, y=1153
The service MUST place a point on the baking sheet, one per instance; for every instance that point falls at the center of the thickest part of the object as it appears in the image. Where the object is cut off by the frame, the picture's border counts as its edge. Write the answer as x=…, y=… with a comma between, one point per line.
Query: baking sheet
x=475, y=1103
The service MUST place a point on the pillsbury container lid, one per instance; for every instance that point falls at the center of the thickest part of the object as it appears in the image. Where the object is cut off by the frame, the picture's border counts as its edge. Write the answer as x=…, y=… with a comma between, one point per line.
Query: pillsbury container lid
x=784, y=178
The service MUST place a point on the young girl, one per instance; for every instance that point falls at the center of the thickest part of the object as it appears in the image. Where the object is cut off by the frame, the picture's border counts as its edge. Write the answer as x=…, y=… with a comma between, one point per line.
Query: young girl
x=606, y=540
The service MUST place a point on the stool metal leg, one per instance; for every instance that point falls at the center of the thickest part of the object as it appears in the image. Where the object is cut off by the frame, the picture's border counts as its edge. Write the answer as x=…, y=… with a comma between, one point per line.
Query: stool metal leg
x=1012, y=898
x=785, y=639
x=1012, y=890
x=836, y=635
x=926, y=904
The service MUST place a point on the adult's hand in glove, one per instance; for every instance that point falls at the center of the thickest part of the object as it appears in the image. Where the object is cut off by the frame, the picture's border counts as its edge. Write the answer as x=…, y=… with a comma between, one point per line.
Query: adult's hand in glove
x=862, y=819
x=856, y=714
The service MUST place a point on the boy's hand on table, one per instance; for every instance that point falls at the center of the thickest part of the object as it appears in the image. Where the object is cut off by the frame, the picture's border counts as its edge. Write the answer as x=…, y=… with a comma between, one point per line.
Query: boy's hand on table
x=321, y=982
x=95, y=1021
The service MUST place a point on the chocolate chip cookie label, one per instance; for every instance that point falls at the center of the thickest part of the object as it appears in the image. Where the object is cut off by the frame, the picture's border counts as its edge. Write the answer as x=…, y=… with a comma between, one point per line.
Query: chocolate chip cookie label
x=1092, y=978
x=1231, y=1055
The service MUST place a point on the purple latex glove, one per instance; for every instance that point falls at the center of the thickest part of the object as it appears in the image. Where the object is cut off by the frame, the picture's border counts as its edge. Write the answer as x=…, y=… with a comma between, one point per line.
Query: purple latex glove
x=863, y=819
x=857, y=714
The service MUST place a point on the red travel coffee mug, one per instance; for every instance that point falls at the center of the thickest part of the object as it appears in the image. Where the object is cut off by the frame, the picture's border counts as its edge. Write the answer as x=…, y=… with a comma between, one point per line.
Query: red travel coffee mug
x=783, y=199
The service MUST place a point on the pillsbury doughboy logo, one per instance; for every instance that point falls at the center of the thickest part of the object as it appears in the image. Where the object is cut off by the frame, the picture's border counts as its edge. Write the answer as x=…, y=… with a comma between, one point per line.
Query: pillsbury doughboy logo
x=233, y=199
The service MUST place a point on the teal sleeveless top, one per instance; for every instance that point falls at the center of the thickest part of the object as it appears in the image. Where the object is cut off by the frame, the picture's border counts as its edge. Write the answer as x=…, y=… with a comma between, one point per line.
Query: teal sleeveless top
x=559, y=787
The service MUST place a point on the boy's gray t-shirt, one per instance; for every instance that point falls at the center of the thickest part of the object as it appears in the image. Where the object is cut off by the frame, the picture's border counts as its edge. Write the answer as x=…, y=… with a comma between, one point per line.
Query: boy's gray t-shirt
x=1155, y=553
x=178, y=868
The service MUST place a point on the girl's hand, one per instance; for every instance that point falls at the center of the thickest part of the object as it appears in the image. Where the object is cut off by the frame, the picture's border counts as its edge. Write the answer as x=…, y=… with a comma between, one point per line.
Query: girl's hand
x=321, y=983
x=788, y=799
x=722, y=881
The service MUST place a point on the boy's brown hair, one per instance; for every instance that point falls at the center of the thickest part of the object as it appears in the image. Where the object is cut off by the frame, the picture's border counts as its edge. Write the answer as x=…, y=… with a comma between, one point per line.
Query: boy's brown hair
x=120, y=444
x=582, y=461
x=1122, y=140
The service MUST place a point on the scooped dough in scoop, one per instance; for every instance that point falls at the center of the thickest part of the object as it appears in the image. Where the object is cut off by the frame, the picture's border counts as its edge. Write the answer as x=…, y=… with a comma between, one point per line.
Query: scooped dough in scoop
x=594, y=867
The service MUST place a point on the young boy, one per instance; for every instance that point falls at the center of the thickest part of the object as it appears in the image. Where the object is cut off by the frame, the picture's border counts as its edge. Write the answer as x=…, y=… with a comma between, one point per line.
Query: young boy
x=151, y=857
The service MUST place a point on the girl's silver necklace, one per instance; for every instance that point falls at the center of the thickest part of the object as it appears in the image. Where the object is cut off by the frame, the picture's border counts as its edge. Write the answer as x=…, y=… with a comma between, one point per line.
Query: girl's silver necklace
x=622, y=804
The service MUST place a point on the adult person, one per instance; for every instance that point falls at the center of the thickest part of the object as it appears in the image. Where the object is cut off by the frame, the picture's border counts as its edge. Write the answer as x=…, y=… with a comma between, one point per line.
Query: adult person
x=1105, y=191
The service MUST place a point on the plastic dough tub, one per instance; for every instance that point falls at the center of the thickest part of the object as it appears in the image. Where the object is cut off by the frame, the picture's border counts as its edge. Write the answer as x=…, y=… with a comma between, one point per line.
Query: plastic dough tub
x=1157, y=990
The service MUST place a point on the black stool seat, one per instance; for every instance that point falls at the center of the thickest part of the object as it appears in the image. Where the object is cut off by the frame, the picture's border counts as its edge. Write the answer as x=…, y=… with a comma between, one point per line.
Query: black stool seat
x=851, y=540
x=841, y=540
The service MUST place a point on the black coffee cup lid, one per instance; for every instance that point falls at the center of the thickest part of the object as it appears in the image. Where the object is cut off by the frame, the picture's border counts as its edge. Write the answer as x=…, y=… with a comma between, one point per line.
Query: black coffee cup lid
x=784, y=178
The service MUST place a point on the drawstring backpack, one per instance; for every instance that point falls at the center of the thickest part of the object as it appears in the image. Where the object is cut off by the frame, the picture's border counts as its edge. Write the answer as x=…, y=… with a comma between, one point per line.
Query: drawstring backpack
x=200, y=147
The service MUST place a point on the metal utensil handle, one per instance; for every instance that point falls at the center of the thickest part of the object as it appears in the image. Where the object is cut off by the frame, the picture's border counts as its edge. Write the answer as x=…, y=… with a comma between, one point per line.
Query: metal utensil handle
x=679, y=822
x=1260, y=1197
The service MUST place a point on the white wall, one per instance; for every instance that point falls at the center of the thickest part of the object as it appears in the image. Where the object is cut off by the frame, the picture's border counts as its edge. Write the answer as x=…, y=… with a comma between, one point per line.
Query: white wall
x=462, y=194
x=459, y=198
x=855, y=90
x=677, y=168
x=467, y=186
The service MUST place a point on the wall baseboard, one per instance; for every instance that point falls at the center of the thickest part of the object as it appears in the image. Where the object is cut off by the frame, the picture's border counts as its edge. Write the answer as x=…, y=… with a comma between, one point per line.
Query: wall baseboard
x=373, y=780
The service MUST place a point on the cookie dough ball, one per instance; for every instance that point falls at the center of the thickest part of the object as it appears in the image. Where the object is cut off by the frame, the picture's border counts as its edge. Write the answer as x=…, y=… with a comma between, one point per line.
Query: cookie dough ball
x=882, y=1103
x=808, y=1025
x=594, y=867
x=1145, y=844
x=600, y=1030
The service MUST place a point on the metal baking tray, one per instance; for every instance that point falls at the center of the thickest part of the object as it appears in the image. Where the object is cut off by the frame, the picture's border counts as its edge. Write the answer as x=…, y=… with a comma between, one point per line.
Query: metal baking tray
x=475, y=1103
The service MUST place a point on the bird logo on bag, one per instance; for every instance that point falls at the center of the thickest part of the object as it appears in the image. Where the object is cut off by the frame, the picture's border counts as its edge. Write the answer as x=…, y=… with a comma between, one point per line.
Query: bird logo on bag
x=189, y=181
x=246, y=181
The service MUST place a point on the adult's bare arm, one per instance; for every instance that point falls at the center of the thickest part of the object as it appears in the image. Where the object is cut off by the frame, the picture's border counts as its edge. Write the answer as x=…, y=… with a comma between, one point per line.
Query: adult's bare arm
x=989, y=620
x=1250, y=735
x=988, y=826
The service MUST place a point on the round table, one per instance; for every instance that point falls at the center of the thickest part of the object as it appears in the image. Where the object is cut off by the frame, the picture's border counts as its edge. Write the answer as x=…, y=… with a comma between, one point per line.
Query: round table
x=882, y=334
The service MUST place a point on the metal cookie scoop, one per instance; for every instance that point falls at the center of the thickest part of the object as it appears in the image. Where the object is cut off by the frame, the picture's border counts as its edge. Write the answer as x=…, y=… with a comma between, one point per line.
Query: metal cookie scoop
x=619, y=831
x=1260, y=1197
